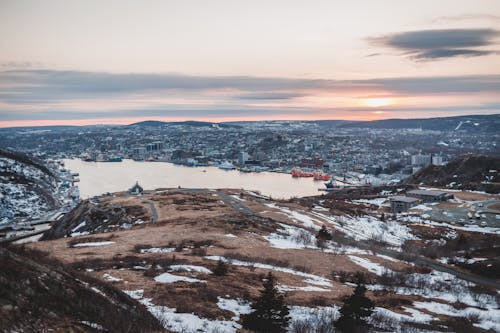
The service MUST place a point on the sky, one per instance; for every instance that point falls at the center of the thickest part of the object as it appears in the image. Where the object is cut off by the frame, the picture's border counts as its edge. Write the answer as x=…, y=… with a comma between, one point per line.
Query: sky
x=117, y=62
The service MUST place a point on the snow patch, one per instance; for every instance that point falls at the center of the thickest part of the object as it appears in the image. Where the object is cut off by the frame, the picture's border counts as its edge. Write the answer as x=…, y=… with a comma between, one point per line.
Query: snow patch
x=310, y=278
x=93, y=244
x=370, y=266
x=158, y=250
x=190, y=268
x=170, y=278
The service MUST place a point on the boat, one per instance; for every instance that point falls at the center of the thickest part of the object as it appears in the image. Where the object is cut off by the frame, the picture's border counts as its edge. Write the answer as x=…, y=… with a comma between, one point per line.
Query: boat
x=331, y=185
x=298, y=172
x=114, y=159
x=320, y=175
x=227, y=166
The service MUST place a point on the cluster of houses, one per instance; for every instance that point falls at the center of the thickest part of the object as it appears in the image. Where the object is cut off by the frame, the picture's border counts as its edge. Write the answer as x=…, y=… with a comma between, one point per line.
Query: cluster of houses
x=401, y=203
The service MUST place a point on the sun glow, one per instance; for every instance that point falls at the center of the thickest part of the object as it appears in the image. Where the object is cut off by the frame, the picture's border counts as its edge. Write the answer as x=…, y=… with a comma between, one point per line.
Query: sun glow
x=377, y=102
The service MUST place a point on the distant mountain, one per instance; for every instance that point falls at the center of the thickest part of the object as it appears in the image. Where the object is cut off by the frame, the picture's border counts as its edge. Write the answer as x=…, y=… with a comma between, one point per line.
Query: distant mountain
x=471, y=123
x=148, y=123
x=479, y=123
x=155, y=123
x=336, y=123
x=469, y=172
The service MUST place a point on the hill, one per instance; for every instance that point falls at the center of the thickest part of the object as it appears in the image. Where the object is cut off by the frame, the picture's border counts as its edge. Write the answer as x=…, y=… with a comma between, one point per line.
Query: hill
x=167, y=254
x=38, y=295
x=27, y=186
x=473, y=123
x=469, y=172
x=155, y=123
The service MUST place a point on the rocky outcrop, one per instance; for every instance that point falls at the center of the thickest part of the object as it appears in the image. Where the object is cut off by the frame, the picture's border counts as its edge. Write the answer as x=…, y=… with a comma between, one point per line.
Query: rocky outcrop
x=469, y=172
x=38, y=295
x=89, y=217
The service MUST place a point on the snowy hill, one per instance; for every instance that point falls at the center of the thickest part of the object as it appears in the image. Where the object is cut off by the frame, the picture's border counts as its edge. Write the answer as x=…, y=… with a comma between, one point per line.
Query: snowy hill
x=420, y=271
x=471, y=172
x=27, y=187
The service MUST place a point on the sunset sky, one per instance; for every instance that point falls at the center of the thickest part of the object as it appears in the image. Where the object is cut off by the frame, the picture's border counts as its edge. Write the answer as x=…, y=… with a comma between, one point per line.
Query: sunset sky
x=95, y=61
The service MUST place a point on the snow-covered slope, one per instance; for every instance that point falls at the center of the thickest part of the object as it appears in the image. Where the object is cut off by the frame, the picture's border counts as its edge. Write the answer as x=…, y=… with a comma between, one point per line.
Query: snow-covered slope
x=26, y=187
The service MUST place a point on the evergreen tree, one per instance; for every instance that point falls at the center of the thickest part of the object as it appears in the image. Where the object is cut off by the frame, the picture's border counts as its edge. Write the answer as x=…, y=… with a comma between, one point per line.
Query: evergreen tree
x=270, y=313
x=221, y=268
x=324, y=234
x=353, y=314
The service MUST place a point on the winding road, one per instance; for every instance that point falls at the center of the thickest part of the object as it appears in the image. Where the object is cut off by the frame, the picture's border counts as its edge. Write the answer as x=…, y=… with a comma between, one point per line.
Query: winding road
x=239, y=206
x=152, y=207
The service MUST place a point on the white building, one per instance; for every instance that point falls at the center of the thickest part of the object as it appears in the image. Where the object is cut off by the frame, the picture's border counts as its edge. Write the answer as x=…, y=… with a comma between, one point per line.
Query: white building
x=437, y=160
x=243, y=157
x=421, y=160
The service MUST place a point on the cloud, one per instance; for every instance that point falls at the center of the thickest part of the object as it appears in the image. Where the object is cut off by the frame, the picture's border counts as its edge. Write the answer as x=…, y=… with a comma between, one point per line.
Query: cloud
x=47, y=85
x=51, y=94
x=440, y=44
x=468, y=17
x=270, y=96
x=219, y=112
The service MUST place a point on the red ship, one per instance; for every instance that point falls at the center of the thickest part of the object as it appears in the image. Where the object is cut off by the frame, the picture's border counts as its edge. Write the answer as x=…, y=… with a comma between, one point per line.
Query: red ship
x=319, y=175
x=297, y=172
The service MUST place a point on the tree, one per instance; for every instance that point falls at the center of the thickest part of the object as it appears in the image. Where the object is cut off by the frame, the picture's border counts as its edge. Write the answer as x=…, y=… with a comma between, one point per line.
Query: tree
x=354, y=312
x=270, y=313
x=324, y=234
x=221, y=268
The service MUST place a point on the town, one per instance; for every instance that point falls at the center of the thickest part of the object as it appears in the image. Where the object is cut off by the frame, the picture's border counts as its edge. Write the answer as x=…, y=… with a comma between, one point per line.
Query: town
x=386, y=154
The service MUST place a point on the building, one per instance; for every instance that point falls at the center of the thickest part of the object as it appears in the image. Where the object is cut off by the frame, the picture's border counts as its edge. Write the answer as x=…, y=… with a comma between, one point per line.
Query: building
x=154, y=146
x=401, y=203
x=421, y=160
x=437, y=160
x=136, y=189
x=430, y=196
x=244, y=157
x=312, y=163
x=138, y=153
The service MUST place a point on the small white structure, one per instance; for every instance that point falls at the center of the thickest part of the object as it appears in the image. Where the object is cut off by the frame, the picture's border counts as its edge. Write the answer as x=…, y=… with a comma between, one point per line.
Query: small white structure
x=136, y=189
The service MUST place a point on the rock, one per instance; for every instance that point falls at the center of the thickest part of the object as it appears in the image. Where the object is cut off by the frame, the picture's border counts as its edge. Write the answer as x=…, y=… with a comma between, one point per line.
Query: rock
x=8, y=307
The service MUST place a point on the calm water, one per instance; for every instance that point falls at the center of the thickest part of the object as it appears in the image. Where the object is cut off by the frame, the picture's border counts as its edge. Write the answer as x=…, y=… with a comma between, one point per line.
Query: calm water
x=100, y=177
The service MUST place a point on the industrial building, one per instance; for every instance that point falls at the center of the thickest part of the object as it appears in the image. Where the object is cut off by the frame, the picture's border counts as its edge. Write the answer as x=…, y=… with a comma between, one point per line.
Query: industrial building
x=401, y=203
x=429, y=195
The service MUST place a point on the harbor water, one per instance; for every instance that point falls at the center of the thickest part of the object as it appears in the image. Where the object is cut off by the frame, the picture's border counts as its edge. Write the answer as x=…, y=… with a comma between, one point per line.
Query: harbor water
x=101, y=177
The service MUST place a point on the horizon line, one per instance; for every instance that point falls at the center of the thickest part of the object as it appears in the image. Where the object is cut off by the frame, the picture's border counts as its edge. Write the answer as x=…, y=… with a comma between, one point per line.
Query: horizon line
x=95, y=122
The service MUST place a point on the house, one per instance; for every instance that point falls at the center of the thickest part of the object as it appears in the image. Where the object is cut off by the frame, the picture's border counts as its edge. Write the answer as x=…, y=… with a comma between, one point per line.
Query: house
x=401, y=203
x=430, y=196
x=136, y=189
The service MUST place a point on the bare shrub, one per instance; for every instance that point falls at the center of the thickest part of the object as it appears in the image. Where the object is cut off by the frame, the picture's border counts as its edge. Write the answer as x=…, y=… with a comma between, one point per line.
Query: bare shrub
x=139, y=247
x=352, y=277
x=303, y=268
x=304, y=237
x=319, y=301
x=200, y=251
x=320, y=322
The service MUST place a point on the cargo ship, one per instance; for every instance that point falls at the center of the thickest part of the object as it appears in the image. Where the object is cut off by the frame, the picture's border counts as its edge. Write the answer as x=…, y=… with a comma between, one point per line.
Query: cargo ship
x=320, y=175
x=298, y=172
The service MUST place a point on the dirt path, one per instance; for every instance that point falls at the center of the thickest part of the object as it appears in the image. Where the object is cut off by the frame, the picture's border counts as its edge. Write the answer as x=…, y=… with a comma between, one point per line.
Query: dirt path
x=154, y=212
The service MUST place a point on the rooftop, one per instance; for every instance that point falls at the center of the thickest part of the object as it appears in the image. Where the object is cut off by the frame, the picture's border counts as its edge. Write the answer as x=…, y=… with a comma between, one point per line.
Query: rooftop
x=402, y=198
x=426, y=192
